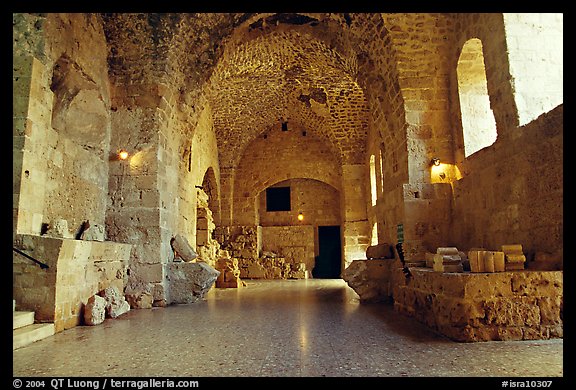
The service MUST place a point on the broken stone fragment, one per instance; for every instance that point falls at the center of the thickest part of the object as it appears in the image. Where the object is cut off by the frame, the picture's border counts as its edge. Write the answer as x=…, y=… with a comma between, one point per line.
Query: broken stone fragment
x=182, y=249
x=116, y=304
x=95, y=310
x=189, y=282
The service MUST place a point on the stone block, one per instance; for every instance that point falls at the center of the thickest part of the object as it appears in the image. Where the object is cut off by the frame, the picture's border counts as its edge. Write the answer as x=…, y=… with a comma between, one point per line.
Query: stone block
x=476, y=259
x=95, y=310
x=202, y=237
x=499, y=262
x=447, y=251
x=205, y=224
x=489, y=261
x=379, y=251
x=189, y=282
x=370, y=279
x=182, y=248
x=140, y=300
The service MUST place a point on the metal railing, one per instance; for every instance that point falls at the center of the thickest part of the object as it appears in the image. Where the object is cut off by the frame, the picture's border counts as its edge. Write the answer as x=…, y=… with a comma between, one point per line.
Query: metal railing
x=42, y=265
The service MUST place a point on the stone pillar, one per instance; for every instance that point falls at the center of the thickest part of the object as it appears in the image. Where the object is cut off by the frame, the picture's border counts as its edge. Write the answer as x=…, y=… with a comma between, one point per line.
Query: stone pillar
x=31, y=134
x=356, y=228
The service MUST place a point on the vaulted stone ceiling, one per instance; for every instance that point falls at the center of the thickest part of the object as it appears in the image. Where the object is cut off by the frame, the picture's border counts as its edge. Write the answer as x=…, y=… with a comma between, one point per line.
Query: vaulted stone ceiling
x=256, y=70
x=286, y=75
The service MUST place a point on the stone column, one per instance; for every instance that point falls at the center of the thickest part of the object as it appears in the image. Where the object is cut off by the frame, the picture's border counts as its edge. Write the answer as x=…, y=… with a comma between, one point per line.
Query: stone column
x=355, y=226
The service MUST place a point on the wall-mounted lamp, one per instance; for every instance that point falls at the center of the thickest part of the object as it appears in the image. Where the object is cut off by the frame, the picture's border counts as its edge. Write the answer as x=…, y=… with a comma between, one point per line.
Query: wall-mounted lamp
x=123, y=154
x=300, y=216
x=435, y=161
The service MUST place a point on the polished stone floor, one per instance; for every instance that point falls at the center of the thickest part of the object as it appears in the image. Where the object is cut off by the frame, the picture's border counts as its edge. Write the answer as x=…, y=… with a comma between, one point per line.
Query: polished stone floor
x=294, y=328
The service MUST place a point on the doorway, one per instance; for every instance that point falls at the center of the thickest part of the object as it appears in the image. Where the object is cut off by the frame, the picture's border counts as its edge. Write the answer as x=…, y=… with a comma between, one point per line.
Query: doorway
x=329, y=260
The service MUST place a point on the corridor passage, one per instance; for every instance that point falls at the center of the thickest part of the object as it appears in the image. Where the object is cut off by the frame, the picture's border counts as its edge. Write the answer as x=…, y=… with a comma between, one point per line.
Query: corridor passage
x=310, y=328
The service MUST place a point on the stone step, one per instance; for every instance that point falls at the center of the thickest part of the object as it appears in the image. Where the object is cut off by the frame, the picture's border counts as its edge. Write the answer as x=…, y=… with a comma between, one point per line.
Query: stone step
x=22, y=318
x=28, y=334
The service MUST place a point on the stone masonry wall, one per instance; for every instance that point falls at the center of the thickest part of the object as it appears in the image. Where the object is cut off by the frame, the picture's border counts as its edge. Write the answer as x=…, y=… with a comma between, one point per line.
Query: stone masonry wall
x=57, y=294
x=61, y=125
x=512, y=190
x=319, y=203
x=496, y=204
x=294, y=243
x=280, y=156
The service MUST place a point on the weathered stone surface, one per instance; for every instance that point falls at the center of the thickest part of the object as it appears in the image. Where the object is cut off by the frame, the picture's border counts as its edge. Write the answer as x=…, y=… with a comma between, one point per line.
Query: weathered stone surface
x=116, y=304
x=370, y=279
x=182, y=248
x=94, y=232
x=379, y=251
x=525, y=305
x=95, y=310
x=139, y=299
x=59, y=229
x=189, y=282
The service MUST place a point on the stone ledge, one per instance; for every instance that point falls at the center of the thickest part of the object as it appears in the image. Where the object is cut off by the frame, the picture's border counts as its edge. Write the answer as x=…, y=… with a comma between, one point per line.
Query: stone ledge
x=517, y=305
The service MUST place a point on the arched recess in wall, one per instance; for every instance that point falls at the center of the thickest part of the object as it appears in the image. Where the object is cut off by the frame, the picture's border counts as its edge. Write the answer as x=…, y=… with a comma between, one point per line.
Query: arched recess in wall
x=210, y=187
x=316, y=200
x=478, y=123
x=535, y=56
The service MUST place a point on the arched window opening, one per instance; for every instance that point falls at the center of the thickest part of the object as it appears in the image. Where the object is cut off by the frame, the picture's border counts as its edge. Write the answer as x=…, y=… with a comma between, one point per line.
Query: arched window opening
x=374, y=239
x=373, y=179
x=478, y=123
x=535, y=55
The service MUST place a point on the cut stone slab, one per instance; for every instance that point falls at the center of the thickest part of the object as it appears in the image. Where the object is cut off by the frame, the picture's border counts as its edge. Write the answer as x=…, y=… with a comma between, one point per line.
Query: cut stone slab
x=182, y=248
x=22, y=318
x=189, y=282
x=26, y=335
x=95, y=310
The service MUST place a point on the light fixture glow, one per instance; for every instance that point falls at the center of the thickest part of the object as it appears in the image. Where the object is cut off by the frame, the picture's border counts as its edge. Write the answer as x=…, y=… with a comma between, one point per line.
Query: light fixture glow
x=300, y=216
x=123, y=155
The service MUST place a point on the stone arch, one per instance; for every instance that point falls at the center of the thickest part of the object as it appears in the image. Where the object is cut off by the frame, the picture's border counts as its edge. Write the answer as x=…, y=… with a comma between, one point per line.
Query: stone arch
x=281, y=155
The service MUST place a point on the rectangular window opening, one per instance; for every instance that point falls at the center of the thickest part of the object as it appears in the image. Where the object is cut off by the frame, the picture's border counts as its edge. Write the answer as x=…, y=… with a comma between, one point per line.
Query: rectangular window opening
x=278, y=199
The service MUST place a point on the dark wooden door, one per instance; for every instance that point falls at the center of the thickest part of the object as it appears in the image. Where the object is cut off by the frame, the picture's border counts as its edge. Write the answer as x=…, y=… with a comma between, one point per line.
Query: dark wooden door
x=329, y=260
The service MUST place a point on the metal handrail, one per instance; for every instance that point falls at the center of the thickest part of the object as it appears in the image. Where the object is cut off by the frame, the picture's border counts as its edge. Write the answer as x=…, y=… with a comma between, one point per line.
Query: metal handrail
x=42, y=265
